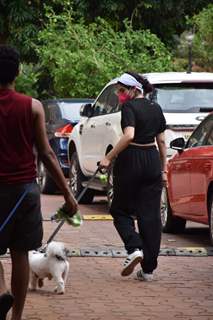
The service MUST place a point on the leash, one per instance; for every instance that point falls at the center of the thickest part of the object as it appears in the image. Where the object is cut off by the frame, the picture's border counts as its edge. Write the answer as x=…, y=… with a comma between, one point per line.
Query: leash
x=78, y=199
x=12, y=212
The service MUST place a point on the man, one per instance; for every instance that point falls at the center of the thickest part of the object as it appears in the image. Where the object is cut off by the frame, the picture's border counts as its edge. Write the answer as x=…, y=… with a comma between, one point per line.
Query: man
x=22, y=127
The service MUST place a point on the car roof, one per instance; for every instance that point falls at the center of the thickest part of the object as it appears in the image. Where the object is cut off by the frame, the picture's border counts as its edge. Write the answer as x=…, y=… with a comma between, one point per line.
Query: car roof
x=71, y=100
x=176, y=77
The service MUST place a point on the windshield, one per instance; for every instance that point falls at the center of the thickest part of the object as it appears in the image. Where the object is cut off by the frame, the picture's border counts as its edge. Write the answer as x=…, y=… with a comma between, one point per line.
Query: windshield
x=184, y=97
x=71, y=110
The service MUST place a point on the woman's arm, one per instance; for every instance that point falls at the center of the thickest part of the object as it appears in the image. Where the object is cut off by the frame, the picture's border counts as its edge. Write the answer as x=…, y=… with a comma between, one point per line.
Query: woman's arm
x=124, y=141
x=162, y=150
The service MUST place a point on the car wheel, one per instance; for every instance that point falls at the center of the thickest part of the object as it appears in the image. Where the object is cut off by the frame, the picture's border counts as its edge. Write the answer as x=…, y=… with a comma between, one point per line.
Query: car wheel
x=45, y=181
x=170, y=223
x=110, y=186
x=76, y=177
x=211, y=217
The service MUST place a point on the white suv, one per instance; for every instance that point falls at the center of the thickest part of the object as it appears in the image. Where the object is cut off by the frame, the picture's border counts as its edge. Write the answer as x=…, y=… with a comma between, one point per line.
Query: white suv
x=185, y=98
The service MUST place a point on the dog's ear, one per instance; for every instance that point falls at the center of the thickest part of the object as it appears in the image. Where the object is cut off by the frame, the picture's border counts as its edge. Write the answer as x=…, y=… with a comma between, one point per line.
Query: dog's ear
x=67, y=252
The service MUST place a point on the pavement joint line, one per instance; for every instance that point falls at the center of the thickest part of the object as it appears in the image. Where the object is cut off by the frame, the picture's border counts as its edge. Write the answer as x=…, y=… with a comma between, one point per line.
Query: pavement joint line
x=114, y=252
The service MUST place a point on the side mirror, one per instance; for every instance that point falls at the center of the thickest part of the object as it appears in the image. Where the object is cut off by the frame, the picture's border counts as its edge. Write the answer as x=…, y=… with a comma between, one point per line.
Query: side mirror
x=178, y=144
x=86, y=110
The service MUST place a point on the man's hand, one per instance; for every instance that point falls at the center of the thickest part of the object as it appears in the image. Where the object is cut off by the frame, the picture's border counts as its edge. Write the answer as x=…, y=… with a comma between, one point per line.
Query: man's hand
x=71, y=205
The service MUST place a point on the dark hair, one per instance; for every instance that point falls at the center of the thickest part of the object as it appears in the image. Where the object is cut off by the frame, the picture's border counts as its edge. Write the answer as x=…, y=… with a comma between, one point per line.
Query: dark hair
x=147, y=86
x=9, y=64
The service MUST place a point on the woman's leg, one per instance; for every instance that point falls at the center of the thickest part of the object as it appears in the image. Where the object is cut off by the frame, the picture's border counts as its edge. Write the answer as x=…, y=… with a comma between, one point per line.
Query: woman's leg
x=125, y=226
x=123, y=204
x=149, y=225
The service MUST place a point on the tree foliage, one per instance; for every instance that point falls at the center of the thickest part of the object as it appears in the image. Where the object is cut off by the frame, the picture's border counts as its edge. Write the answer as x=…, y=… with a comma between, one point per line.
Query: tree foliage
x=81, y=58
x=165, y=18
x=100, y=39
x=203, y=42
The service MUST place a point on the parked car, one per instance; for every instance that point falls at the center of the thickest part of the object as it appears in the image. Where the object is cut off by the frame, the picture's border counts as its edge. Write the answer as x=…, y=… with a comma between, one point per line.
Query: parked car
x=61, y=116
x=186, y=98
x=190, y=181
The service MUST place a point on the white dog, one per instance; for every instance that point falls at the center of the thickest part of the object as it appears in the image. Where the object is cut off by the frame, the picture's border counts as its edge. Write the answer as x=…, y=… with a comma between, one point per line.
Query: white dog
x=51, y=264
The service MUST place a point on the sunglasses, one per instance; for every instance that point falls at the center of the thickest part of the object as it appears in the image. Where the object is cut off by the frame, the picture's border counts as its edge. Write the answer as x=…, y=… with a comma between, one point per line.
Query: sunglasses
x=120, y=90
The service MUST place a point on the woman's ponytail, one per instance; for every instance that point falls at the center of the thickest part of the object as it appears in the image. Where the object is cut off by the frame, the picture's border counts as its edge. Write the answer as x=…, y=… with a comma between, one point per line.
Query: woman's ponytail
x=147, y=86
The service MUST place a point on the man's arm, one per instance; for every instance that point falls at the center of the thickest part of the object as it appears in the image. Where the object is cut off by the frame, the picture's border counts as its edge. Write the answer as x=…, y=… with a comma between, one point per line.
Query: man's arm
x=48, y=157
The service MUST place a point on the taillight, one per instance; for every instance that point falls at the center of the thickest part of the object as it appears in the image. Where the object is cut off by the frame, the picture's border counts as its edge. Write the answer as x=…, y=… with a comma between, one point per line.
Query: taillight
x=64, y=132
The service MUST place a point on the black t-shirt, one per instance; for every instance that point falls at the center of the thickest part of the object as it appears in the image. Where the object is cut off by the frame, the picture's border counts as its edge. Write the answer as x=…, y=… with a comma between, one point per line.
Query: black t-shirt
x=145, y=116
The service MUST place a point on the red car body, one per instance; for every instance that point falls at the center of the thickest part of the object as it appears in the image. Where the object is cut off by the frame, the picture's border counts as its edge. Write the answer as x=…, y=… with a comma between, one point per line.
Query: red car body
x=190, y=177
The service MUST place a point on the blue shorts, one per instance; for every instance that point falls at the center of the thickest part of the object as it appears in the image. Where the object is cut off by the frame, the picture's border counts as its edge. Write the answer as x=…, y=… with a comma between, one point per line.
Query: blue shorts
x=24, y=230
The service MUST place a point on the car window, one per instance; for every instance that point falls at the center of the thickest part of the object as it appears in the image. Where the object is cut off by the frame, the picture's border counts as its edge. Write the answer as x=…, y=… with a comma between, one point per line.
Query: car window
x=46, y=111
x=209, y=140
x=184, y=97
x=112, y=103
x=53, y=112
x=70, y=110
x=107, y=102
x=201, y=134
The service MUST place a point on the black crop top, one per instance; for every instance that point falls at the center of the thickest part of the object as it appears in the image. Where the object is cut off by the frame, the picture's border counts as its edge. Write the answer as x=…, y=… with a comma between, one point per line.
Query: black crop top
x=145, y=116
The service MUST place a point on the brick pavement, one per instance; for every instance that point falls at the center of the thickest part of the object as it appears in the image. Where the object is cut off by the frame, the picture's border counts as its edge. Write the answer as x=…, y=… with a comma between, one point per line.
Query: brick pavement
x=183, y=288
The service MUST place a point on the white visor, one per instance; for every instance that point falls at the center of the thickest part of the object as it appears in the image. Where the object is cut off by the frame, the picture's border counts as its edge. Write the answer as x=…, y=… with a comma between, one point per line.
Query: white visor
x=129, y=80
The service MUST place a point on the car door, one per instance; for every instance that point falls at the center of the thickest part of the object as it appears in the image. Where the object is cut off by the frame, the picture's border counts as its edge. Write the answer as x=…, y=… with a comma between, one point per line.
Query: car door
x=179, y=182
x=93, y=133
x=200, y=171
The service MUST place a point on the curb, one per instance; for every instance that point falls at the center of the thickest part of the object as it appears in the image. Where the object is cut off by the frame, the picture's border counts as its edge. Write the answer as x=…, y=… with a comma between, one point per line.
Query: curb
x=114, y=252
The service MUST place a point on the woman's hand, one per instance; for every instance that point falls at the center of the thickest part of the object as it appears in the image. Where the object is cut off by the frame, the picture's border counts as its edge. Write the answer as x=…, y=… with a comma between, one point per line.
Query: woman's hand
x=105, y=163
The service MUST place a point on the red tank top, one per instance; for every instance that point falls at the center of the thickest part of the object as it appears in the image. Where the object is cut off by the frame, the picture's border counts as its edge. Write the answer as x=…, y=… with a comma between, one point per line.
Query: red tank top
x=17, y=160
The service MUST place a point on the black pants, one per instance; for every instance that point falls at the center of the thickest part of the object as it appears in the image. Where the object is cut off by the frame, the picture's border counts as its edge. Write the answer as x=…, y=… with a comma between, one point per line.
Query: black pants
x=137, y=192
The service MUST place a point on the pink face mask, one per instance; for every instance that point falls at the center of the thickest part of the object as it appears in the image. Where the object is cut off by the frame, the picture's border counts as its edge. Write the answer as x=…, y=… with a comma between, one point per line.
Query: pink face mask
x=123, y=97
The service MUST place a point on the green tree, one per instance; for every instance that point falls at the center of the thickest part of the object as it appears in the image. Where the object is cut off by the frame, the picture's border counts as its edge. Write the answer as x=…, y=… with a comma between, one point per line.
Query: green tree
x=165, y=18
x=203, y=42
x=21, y=20
x=80, y=59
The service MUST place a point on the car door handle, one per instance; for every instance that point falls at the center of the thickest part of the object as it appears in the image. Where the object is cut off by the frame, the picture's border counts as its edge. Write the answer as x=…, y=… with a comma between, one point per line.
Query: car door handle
x=92, y=126
x=81, y=129
x=108, y=124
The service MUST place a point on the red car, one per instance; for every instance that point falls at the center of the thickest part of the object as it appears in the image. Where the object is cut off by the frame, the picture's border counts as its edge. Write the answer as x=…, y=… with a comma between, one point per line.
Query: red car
x=190, y=181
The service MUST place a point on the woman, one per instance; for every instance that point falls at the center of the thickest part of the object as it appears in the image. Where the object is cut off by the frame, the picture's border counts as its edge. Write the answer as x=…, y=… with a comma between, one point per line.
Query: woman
x=139, y=171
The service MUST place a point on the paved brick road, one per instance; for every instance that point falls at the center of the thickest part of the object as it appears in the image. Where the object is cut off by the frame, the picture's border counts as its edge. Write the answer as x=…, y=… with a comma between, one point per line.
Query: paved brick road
x=183, y=289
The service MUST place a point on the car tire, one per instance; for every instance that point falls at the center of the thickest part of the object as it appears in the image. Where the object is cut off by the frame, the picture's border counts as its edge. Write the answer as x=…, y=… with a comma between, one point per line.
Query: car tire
x=110, y=186
x=170, y=223
x=45, y=181
x=76, y=177
x=210, y=212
